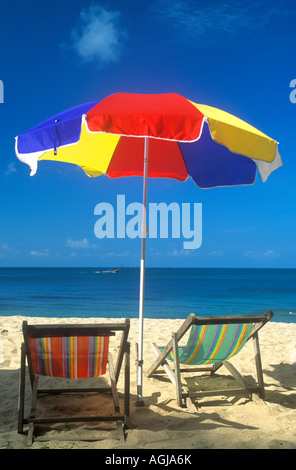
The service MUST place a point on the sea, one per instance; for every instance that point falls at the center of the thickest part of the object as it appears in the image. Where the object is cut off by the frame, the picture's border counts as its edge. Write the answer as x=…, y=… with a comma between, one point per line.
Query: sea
x=170, y=293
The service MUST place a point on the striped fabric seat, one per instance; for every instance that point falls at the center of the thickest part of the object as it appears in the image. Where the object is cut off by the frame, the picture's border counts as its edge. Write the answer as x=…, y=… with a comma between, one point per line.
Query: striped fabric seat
x=74, y=351
x=73, y=357
x=212, y=341
x=210, y=344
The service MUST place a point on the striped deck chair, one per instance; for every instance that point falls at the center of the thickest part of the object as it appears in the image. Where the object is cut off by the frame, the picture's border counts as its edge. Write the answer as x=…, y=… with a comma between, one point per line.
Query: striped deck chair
x=211, y=343
x=73, y=352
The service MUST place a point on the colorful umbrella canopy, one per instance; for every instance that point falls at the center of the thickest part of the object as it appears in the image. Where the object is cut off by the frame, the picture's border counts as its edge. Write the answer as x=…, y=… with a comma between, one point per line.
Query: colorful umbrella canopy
x=183, y=139
x=98, y=136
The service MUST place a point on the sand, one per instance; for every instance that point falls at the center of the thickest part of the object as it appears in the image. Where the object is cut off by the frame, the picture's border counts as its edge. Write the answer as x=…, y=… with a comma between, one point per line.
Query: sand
x=219, y=422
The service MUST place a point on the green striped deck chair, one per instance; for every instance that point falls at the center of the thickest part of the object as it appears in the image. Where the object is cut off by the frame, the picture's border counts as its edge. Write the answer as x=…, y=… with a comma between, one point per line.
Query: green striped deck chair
x=73, y=352
x=212, y=341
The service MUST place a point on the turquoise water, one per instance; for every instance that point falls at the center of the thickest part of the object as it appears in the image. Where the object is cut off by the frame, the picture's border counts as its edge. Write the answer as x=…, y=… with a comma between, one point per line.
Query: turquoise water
x=169, y=293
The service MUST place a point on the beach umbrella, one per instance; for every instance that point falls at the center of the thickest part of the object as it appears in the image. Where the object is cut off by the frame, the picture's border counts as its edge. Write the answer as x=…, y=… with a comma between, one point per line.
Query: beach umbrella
x=120, y=134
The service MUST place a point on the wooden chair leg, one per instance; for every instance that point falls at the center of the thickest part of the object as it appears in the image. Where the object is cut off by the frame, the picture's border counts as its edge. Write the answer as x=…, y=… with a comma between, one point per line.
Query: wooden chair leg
x=165, y=365
x=113, y=385
x=258, y=365
x=235, y=373
x=177, y=370
x=21, y=403
x=119, y=423
x=30, y=437
x=127, y=385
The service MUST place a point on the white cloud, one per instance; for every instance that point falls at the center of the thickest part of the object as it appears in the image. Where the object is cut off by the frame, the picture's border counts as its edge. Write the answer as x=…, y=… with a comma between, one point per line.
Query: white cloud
x=108, y=254
x=99, y=36
x=236, y=230
x=39, y=253
x=216, y=253
x=111, y=254
x=8, y=250
x=10, y=169
x=180, y=253
x=79, y=243
x=267, y=254
x=124, y=254
x=226, y=16
x=270, y=254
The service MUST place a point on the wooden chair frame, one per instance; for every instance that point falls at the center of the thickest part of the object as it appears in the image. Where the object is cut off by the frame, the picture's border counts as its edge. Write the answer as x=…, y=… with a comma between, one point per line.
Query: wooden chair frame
x=174, y=374
x=64, y=330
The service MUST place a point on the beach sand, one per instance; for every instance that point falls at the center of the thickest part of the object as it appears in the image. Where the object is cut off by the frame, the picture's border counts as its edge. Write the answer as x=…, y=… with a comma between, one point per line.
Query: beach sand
x=219, y=423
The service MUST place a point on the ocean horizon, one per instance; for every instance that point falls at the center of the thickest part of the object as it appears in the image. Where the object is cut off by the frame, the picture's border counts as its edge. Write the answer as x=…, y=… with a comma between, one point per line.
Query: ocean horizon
x=170, y=293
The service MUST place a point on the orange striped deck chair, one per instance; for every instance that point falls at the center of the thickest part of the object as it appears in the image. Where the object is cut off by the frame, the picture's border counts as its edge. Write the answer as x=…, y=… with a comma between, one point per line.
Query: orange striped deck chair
x=73, y=352
x=212, y=341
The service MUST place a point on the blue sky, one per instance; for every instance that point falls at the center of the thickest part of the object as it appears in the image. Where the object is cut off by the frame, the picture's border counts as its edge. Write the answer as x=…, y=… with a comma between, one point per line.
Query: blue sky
x=234, y=55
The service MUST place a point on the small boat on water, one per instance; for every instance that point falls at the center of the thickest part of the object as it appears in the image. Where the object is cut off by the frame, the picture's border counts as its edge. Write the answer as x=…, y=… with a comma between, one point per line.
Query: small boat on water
x=112, y=271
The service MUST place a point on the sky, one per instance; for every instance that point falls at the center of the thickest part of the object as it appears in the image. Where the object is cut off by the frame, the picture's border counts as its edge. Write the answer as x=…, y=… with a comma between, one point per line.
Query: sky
x=234, y=55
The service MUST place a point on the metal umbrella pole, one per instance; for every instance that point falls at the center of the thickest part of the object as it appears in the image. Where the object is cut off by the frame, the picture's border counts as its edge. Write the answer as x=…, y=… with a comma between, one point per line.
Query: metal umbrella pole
x=140, y=401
